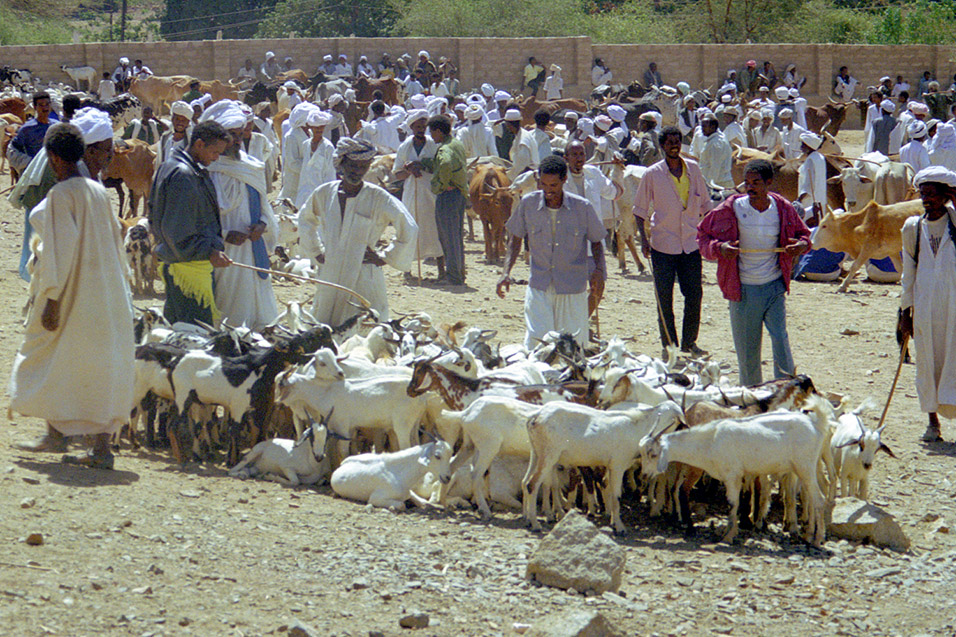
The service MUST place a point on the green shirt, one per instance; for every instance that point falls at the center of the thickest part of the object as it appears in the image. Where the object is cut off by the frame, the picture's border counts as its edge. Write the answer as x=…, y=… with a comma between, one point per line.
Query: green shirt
x=448, y=167
x=194, y=94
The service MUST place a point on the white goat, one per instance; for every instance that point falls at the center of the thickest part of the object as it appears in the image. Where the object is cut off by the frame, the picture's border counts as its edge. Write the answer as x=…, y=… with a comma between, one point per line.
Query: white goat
x=288, y=462
x=387, y=479
x=779, y=442
x=854, y=447
x=579, y=436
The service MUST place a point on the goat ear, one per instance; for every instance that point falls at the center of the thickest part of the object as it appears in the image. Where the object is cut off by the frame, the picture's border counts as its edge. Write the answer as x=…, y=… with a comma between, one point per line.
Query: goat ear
x=848, y=443
x=662, y=461
x=888, y=451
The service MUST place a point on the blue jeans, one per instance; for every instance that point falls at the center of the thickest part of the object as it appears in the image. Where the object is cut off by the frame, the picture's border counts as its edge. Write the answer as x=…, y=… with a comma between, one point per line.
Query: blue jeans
x=761, y=305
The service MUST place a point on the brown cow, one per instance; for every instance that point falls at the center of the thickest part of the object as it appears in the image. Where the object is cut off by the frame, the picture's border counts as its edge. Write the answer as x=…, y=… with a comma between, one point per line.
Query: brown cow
x=132, y=164
x=295, y=74
x=158, y=90
x=831, y=116
x=219, y=90
x=9, y=131
x=364, y=88
x=529, y=106
x=872, y=233
x=14, y=105
x=491, y=201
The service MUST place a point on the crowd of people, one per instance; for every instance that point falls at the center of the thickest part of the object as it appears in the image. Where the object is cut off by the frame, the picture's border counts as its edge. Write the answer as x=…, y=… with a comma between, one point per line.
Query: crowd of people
x=210, y=212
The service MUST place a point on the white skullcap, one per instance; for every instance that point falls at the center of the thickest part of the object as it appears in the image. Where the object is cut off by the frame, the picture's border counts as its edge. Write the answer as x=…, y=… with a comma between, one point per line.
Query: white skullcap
x=725, y=98
x=919, y=109
x=415, y=115
x=812, y=140
x=683, y=87
x=572, y=115
x=460, y=107
x=766, y=112
x=205, y=99
x=512, y=115
x=423, y=52
x=334, y=99
x=487, y=89
x=794, y=92
x=318, y=117
x=290, y=84
x=502, y=96
x=270, y=55
x=602, y=122
x=886, y=78
x=94, y=124
x=326, y=58
x=417, y=101
x=180, y=107
x=616, y=113
x=300, y=114
x=785, y=113
x=124, y=60
x=586, y=126
x=916, y=129
x=935, y=175
x=753, y=114
x=782, y=92
x=888, y=105
x=474, y=112
x=555, y=68
x=225, y=112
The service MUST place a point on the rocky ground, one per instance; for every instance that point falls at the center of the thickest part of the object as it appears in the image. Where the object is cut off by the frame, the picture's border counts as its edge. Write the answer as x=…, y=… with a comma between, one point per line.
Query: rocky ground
x=154, y=548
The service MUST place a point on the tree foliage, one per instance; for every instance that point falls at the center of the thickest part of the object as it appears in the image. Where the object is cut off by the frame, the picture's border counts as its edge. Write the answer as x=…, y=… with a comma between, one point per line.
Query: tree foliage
x=329, y=18
x=200, y=19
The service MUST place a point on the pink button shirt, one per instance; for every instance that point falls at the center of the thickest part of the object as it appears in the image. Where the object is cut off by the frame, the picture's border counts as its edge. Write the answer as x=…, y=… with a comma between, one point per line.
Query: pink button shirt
x=673, y=226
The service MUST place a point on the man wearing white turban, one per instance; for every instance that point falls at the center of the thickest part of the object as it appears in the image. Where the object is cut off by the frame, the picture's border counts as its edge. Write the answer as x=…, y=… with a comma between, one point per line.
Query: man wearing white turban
x=417, y=194
x=914, y=153
x=249, y=227
x=475, y=135
x=766, y=137
x=340, y=226
x=524, y=150
x=270, y=68
x=292, y=157
x=716, y=155
x=554, y=85
x=812, y=176
x=928, y=299
x=122, y=75
x=147, y=129
x=382, y=131
x=318, y=153
x=885, y=132
x=178, y=136
x=259, y=146
x=943, y=151
x=789, y=134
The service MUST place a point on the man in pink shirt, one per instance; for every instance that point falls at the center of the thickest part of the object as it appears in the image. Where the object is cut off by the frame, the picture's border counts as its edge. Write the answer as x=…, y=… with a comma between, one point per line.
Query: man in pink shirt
x=674, y=197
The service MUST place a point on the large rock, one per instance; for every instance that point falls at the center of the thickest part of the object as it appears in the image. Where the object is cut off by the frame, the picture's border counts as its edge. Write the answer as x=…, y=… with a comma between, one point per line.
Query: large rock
x=860, y=521
x=575, y=623
x=575, y=554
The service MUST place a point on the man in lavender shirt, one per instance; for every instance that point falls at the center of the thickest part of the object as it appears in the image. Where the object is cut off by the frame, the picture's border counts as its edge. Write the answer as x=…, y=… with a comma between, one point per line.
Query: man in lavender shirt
x=674, y=197
x=559, y=227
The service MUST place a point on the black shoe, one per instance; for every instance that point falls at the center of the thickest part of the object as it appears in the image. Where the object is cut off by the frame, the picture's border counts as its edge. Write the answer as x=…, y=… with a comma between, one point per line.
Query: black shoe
x=90, y=460
x=693, y=350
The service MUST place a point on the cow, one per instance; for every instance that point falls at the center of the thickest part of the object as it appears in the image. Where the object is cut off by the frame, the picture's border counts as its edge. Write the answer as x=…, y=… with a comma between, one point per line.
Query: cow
x=14, y=105
x=629, y=177
x=364, y=88
x=262, y=92
x=9, y=131
x=80, y=74
x=219, y=90
x=132, y=164
x=857, y=180
x=871, y=233
x=324, y=90
x=122, y=109
x=297, y=75
x=828, y=117
x=158, y=90
x=491, y=200
x=530, y=105
x=10, y=75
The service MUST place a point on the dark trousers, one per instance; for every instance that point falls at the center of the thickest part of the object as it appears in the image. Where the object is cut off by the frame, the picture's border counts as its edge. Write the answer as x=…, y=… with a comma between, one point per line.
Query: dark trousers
x=449, y=216
x=687, y=270
x=179, y=307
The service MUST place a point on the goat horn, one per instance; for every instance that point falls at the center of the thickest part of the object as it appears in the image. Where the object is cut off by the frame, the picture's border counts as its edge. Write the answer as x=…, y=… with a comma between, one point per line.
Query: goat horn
x=668, y=394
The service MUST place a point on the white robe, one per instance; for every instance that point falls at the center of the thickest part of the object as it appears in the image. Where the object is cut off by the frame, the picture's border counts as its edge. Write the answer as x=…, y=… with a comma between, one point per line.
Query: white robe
x=553, y=87
x=916, y=155
x=80, y=376
x=242, y=295
x=523, y=154
x=716, y=158
x=292, y=162
x=419, y=198
x=262, y=148
x=322, y=230
x=812, y=180
x=930, y=289
x=800, y=112
x=873, y=113
x=317, y=169
x=478, y=140
x=790, y=138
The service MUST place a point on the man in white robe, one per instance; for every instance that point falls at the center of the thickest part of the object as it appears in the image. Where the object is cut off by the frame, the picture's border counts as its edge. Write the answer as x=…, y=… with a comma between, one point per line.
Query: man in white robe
x=524, y=150
x=382, y=131
x=928, y=299
x=318, y=167
x=340, y=227
x=74, y=368
x=914, y=153
x=812, y=176
x=716, y=155
x=417, y=194
x=259, y=147
x=178, y=135
x=790, y=135
x=248, y=223
x=475, y=135
x=292, y=150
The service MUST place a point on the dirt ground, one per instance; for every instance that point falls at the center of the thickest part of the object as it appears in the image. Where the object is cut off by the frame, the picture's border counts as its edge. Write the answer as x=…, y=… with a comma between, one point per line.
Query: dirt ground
x=154, y=548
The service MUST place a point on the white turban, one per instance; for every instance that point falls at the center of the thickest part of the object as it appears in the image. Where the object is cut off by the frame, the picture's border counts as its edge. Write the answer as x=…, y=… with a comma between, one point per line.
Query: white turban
x=415, y=115
x=812, y=140
x=417, y=101
x=703, y=110
x=502, y=96
x=785, y=113
x=270, y=55
x=474, y=112
x=794, y=92
x=555, y=68
x=355, y=149
x=290, y=84
x=326, y=58
x=782, y=92
x=460, y=107
x=766, y=112
x=919, y=109
x=424, y=53
x=572, y=115
x=888, y=105
x=601, y=122
x=247, y=111
x=434, y=106
x=935, y=175
x=196, y=102
x=205, y=99
x=474, y=98
x=124, y=60
x=512, y=115
x=726, y=98
x=487, y=89
x=225, y=112
x=945, y=137
x=95, y=125
x=349, y=94
x=616, y=113
x=318, y=117
x=300, y=115
x=334, y=99
x=180, y=107
x=885, y=78
x=916, y=129
x=396, y=111
x=753, y=114
x=342, y=56
x=683, y=88
x=586, y=126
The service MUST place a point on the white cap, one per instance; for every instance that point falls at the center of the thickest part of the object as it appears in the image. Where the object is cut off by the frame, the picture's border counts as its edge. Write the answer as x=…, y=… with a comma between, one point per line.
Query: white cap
x=617, y=113
x=270, y=55
x=512, y=115
x=726, y=98
x=327, y=58
x=94, y=124
x=555, y=68
x=572, y=115
x=423, y=52
x=811, y=139
x=417, y=101
x=318, y=117
x=785, y=113
x=502, y=96
x=782, y=92
x=180, y=107
x=487, y=89
x=124, y=60
x=888, y=105
x=916, y=129
x=335, y=99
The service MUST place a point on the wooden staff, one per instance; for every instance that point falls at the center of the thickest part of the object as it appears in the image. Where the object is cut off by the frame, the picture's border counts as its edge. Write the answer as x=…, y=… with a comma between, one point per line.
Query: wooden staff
x=869, y=161
x=759, y=250
x=341, y=288
x=899, y=366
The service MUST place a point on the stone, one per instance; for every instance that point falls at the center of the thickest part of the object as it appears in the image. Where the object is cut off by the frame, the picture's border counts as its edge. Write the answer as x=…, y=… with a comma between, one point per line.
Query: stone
x=414, y=620
x=298, y=629
x=28, y=503
x=376, y=633
x=860, y=521
x=35, y=539
x=575, y=623
x=575, y=554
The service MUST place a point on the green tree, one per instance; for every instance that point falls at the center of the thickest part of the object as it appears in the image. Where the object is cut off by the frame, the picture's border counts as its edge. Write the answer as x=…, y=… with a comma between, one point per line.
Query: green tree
x=200, y=19
x=329, y=18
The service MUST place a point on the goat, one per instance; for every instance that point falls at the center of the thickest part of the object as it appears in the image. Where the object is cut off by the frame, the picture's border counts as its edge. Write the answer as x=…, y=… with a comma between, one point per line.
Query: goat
x=854, y=447
x=576, y=435
x=288, y=462
x=139, y=252
x=387, y=479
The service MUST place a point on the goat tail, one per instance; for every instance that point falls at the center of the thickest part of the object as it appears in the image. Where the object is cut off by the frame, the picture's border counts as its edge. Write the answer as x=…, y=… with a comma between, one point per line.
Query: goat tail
x=868, y=403
x=820, y=411
x=249, y=458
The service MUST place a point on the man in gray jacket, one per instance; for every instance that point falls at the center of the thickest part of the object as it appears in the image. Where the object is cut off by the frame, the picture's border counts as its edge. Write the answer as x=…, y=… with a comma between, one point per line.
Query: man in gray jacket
x=184, y=217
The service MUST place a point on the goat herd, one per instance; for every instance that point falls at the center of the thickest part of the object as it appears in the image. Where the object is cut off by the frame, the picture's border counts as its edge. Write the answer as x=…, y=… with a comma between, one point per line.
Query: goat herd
x=499, y=423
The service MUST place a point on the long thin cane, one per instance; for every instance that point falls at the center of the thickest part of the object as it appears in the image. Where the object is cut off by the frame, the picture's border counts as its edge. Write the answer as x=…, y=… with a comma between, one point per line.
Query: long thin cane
x=341, y=288
x=899, y=366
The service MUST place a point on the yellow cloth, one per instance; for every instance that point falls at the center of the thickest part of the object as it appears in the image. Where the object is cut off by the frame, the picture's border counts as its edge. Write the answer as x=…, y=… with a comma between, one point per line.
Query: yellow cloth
x=682, y=185
x=194, y=279
x=532, y=71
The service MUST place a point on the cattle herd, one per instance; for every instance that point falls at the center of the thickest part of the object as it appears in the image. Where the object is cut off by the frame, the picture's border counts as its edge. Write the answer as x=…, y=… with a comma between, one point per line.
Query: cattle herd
x=440, y=415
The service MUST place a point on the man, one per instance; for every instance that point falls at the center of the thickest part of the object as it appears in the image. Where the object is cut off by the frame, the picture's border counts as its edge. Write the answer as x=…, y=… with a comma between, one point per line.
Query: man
x=29, y=138
x=258, y=146
x=643, y=148
x=915, y=153
x=382, y=131
x=928, y=300
x=449, y=183
x=178, y=136
x=687, y=120
x=652, y=77
x=340, y=226
x=748, y=79
x=193, y=93
x=386, y=68
x=291, y=95
x=790, y=135
x=75, y=366
x=769, y=74
x=287, y=65
x=246, y=76
x=540, y=134
x=327, y=68
x=844, y=85
x=812, y=177
x=600, y=73
x=452, y=85
x=417, y=194
x=559, y=227
x=886, y=86
x=425, y=64
x=270, y=68
x=415, y=84
x=901, y=86
x=924, y=82
x=122, y=75
x=733, y=131
x=148, y=129
x=799, y=108
x=885, y=133
x=249, y=228
x=741, y=234
x=475, y=136
x=716, y=156
x=292, y=147
x=673, y=196
x=140, y=70
x=533, y=75
x=524, y=150
x=337, y=129
x=318, y=154
x=184, y=218
x=365, y=69
x=766, y=137
x=106, y=89
x=344, y=68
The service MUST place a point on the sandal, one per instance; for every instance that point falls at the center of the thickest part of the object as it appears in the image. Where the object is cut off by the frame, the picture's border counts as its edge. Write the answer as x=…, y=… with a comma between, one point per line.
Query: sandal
x=44, y=444
x=90, y=460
